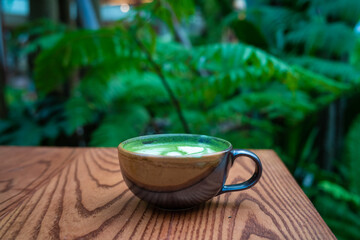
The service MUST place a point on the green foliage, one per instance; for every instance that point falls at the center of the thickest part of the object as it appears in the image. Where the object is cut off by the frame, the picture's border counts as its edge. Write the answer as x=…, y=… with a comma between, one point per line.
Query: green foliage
x=355, y=55
x=113, y=75
x=340, y=217
x=82, y=48
x=353, y=153
x=25, y=133
x=307, y=33
x=128, y=122
x=35, y=36
x=317, y=36
x=230, y=83
x=79, y=113
x=334, y=69
x=347, y=11
x=32, y=123
x=340, y=193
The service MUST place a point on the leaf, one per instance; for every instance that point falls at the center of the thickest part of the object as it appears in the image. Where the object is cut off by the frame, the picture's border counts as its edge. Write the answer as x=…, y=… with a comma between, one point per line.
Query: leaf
x=229, y=108
x=273, y=20
x=343, y=230
x=254, y=138
x=346, y=10
x=355, y=56
x=39, y=27
x=78, y=113
x=334, y=69
x=51, y=129
x=144, y=87
x=4, y=125
x=339, y=192
x=353, y=152
x=319, y=36
x=130, y=121
x=28, y=133
x=41, y=43
x=311, y=81
x=196, y=119
x=82, y=48
x=309, y=152
x=342, y=219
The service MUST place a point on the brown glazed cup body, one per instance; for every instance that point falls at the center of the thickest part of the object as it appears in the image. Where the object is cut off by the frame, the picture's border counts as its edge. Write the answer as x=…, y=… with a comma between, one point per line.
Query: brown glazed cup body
x=179, y=182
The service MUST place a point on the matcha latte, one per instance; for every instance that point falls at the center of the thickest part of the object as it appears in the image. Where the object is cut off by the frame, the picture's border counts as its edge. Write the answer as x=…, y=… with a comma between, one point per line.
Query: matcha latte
x=179, y=146
x=179, y=171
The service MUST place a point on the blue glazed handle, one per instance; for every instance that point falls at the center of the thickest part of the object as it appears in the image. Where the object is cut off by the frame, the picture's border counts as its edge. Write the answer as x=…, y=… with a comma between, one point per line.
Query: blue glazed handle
x=251, y=181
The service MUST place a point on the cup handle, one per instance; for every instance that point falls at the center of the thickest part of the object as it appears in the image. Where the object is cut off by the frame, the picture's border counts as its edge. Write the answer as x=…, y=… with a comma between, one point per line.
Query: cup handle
x=251, y=181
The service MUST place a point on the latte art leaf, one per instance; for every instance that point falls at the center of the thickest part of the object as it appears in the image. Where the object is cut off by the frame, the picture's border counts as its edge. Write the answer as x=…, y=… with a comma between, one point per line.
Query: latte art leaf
x=174, y=149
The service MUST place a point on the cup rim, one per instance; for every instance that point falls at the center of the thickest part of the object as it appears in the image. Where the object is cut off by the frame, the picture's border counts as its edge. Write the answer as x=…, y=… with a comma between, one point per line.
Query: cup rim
x=122, y=149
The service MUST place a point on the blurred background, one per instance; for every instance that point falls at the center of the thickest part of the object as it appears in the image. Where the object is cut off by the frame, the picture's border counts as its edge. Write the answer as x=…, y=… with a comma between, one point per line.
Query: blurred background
x=277, y=74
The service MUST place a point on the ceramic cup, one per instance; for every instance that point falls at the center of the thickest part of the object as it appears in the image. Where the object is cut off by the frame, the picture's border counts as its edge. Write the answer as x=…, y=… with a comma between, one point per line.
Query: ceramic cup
x=181, y=181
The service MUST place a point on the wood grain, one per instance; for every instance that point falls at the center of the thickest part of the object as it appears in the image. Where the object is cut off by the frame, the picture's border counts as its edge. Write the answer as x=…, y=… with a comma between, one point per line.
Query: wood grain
x=79, y=193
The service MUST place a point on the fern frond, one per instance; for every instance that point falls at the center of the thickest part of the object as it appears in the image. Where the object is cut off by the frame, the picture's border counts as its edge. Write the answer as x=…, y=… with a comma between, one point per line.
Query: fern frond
x=41, y=43
x=274, y=102
x=334, y=69
x=173, y=58
x=343, y=10
x=129, y=121
x=105, y=82
x=78, y=113
x=274, y=21
x=81, y=48
x=313, y=82
x=259, y=70
x=339, y=192
x=144, y=87
x=198, y=123
x=129, y=86
x=306, y=26
x=274, y=18
x=36, y=35
x=39, y=27
x=319, y=36
x=28, y=125
x=343, y=218
x=28, y=133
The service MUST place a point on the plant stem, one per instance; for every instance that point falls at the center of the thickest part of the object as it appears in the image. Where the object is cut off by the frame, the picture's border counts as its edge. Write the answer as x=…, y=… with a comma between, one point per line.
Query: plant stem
x=172, y=96
x=179, y=31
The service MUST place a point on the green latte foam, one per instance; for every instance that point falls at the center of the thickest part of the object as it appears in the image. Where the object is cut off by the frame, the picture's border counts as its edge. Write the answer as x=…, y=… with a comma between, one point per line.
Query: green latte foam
x=175, y=145
x=174, y=149
x=171, y=147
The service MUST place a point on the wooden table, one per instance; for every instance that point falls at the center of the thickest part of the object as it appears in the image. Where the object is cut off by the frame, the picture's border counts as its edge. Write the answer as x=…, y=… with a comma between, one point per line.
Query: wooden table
x=67, y=193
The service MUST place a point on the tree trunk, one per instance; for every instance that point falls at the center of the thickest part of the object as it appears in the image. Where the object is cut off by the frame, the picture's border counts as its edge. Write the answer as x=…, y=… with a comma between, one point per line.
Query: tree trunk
x=96, y=7
x=334, y=133
x=64, y=11
x=44, y=9
x=3, y=107
x=87, y=15
x=330, y=137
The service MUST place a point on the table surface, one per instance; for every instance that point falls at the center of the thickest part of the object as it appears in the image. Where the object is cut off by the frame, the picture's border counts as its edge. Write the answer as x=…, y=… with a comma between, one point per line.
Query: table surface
x=67, y=193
